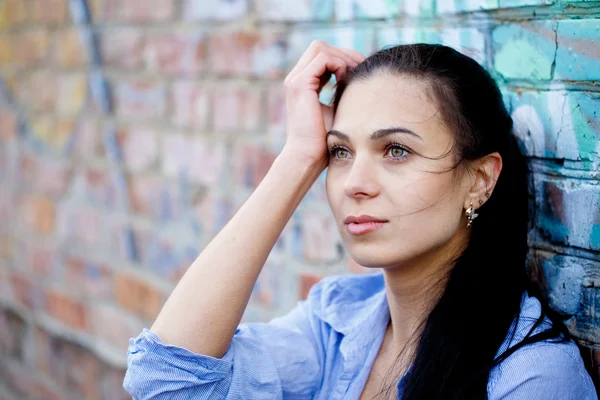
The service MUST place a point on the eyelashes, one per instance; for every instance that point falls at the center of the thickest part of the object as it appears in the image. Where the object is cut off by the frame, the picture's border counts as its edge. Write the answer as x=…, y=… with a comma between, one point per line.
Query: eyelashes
x=335, y=148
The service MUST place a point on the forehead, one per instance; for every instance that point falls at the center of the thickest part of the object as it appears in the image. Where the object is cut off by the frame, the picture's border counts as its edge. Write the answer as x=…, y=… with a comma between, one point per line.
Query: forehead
x=383, y=101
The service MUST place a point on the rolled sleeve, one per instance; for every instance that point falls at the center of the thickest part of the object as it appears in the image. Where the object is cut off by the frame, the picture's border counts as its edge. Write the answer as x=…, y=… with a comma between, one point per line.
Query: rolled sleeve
x=274, y=360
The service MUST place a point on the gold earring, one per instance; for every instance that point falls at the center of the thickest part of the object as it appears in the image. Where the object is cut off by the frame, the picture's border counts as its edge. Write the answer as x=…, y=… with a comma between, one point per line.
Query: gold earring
x=471, y=215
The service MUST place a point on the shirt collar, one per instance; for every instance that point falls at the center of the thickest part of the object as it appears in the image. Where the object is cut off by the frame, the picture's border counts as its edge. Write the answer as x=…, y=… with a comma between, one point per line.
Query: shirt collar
x=351, y=303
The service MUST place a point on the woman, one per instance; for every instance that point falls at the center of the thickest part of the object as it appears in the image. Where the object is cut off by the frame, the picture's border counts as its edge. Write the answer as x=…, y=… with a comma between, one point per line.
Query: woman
x=417, y=144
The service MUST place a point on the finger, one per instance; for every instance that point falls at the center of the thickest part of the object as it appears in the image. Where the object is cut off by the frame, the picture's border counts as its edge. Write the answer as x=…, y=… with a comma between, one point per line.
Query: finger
x=323, y=63
x=316, y=47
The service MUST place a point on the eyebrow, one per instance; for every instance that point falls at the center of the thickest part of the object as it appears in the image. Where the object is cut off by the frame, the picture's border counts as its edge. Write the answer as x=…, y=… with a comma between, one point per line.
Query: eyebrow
x=378, y=134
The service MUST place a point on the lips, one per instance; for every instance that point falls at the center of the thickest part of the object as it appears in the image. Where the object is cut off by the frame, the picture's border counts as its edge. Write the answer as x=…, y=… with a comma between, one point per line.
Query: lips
x=363, y=224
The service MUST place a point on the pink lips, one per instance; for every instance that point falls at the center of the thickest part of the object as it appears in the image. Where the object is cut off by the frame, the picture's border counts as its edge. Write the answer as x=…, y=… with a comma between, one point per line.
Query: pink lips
x=362, y=224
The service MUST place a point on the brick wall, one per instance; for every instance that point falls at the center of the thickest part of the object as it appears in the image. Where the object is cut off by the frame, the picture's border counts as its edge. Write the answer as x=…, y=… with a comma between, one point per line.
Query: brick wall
x=132, y=130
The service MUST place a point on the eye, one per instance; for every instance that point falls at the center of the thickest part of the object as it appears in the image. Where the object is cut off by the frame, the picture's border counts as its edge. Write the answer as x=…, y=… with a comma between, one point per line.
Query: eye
x=396, y=150
x=338, y=152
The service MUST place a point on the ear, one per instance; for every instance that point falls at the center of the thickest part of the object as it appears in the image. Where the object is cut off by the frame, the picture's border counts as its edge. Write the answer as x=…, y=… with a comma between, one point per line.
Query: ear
x=487, y=171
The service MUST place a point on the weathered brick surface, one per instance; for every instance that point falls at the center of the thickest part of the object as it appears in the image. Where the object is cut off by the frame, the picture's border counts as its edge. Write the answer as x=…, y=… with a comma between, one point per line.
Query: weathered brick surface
x=128, y=140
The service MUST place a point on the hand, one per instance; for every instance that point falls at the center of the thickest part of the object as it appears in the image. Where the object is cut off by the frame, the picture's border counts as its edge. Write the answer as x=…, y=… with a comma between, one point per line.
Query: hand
x=307, y=119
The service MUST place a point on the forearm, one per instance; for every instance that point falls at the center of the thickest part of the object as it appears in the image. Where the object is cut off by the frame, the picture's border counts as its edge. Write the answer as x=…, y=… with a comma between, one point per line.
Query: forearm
x=205, y=308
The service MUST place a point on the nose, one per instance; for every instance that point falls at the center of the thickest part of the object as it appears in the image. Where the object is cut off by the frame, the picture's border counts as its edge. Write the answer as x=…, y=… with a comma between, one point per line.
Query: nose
x=361, y=181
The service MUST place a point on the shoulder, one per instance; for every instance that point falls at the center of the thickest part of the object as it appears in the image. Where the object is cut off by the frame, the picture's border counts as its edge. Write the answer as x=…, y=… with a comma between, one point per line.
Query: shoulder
x=544, y=369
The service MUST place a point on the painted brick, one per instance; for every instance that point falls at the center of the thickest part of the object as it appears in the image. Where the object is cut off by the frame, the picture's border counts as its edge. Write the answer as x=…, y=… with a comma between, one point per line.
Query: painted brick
x=41, y=261
x=346, y=10
x=193, y=159
x=122, y=48
x=8, y=50
x=67, y=309
x=560, y=219
x=133, y=11
x=39, y=214
x=88, y=279
x=33, y=46
x=236, y=107
x=189, y=102
x=266, y=291
x=26, y=291
x=459, y=6
x=140, y=99
x=219, y=10
x=175, y=53
x=247, y=53
x=87, y=139
x=360, y=39
x=469, y=41
x=12, y=13
x=251, y=163
x=96, y=187
x=72, y=92
x=320, y=238
x=111, y=386
x=585, y=324
x=524, y=3
x=113, y=325
x=291, y=10
x=578, y=50
x=49, y=11
x=44, y=174
x=276, y=117
x=68, y=51
x=82, y=226
x=212, y=212
x=19, y=378
x=558, y=124
x=138, y=296
x=525, y=50
x=139, y=147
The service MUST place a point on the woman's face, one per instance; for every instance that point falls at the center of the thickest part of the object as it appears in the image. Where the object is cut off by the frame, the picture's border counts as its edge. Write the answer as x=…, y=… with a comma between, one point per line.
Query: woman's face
x=375, y=176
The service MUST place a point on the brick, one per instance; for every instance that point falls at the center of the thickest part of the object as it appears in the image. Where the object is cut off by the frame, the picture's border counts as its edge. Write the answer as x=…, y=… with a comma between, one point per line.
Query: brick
x=26, y=291
x=194, y=159
x=49, y=11
x=557, y=124
x=140, y=99
x=33, y=46
x=320, y=238
x=346, y=10
x=88, y=279
x=455, y=6
x=87, y=140
x=266, y=291
x=525, y=50
x=8, y=50
x=111, y=386
x=568, y=212
x=67, y=309
x=291, y=10
x=212, y=212
x=52, y=133
x=524, y=3
x=8, y=124
x=12, y=13
x=11, y=334
x=114, y=325
x=59, y=358
x=39, y=214
x=585, y=324
x=138, y=296
x=306, y=282
x=219, y=10
x=68, y=51
x=122, y=48
x=276, y=117
x=153, y=197
x=6, y=246
x=358, y=38
x=72, y=92
x=19, y=378
x=578, y=50
x=251, y=164
x=179, y=53
x=190, y=102
x=139, y=148
x=82, y=226
x=236, y=107
x=137, y=10
x=38, y=90
x=246, y=53
x=8, y=206
x=469, y=41
x=41, y=261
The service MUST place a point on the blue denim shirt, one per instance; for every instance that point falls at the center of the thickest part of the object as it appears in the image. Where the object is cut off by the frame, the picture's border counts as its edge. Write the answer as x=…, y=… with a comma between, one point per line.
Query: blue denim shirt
x=325, y=348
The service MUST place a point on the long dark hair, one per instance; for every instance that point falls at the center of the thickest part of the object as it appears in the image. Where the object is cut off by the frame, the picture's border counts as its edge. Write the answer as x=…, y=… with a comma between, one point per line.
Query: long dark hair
x=483, y=289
